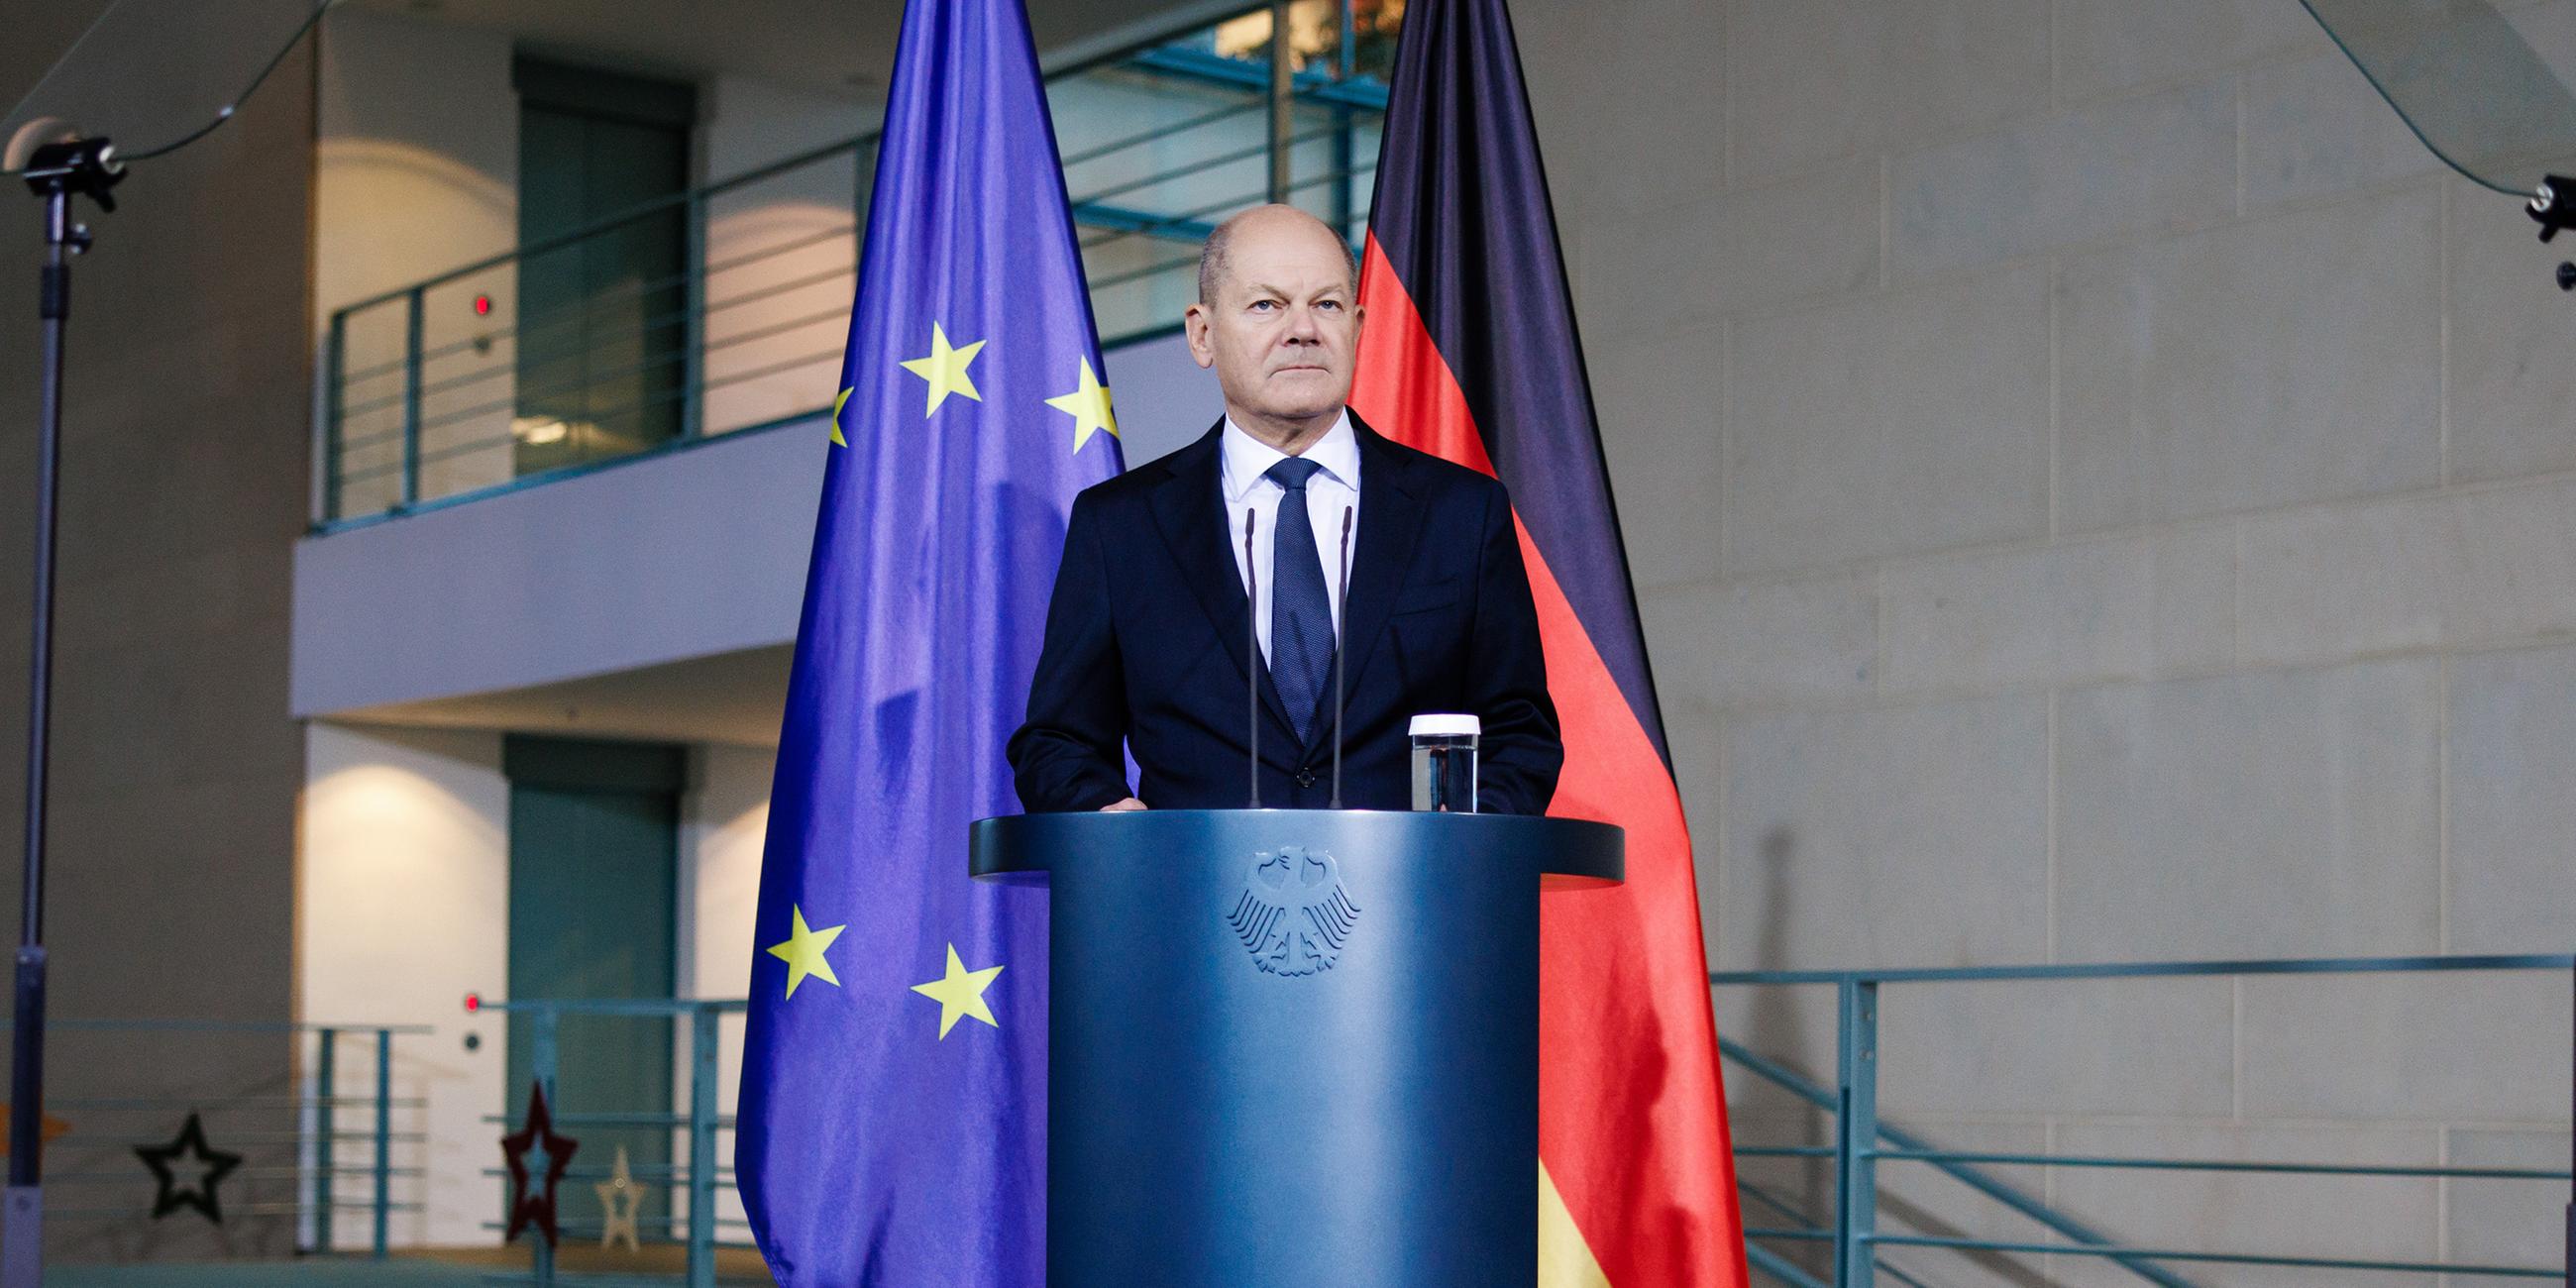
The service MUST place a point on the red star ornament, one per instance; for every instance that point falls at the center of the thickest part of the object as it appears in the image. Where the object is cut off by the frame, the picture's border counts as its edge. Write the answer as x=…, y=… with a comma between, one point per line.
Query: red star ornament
x=532, y=1191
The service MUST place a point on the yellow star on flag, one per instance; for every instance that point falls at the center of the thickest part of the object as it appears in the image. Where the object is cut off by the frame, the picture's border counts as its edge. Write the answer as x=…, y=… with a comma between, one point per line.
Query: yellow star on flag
x=945, y=369
x=1089, y=407
x=803, y=952
x=960, y=992
x=837, y=405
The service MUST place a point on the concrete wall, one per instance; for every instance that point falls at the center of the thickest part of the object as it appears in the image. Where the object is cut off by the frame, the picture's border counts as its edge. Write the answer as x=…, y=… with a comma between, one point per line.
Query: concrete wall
x=781, y=252
x=405, y=893
x=416, y=172
x=405, y=899
x=724, y=822
x=2099, y=490
x=417, y=175
x=175, y=767
x=189, y=879
x=1165, y=401
x=672, y=557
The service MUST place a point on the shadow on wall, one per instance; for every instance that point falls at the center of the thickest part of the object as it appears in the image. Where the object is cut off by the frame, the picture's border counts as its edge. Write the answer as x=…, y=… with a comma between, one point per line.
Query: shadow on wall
x=102, y=1193
x=1800, y=1191
x=1792, y=1191
x=777, y=288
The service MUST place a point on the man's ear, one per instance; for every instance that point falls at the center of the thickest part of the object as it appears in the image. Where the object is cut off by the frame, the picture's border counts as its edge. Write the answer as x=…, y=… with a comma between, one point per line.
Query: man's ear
x=1194, y=327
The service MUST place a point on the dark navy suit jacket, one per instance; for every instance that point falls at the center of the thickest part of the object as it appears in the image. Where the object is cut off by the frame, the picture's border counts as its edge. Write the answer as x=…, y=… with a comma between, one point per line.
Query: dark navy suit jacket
x=1147, y=642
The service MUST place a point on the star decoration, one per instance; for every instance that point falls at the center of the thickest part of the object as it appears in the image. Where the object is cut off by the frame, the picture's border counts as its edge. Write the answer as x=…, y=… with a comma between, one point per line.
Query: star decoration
x=945, y=369
x=1089, y=407
x=960, y=993
x=538, y=1159
x=196, y=1190
x=837, y=405
x=619, y=1196
x=803, y=951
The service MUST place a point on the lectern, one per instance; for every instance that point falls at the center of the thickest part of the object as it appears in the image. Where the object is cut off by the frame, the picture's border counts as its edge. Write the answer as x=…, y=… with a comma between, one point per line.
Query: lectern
x=1293, y=1048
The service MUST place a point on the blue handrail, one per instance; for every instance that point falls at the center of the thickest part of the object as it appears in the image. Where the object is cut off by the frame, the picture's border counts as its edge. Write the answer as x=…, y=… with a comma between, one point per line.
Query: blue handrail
x=1781, y=1075
x=701, y=1176
x=2145, y=970
x=321, y=1133
x=1862, y=1139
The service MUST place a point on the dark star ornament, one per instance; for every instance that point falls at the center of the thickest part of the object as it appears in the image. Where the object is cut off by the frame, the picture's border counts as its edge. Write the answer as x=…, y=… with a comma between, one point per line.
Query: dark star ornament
x=537, y=1158
x=212, y=1165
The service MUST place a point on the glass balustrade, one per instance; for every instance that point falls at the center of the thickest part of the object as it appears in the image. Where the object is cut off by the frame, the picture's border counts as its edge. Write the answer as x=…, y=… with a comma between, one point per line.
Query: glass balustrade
x=456, y=386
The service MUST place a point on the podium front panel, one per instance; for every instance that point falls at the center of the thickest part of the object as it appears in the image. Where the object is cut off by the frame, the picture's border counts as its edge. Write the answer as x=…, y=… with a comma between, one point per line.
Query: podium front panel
x=1293, y=1048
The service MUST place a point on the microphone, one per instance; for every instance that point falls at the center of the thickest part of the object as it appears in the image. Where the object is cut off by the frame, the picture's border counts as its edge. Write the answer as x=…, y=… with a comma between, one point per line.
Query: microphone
x=1342, y=614
x=1252, y=656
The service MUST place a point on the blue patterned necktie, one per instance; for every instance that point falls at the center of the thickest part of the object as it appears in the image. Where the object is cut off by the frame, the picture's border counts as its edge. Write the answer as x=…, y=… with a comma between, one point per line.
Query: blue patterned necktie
x=1301, y=609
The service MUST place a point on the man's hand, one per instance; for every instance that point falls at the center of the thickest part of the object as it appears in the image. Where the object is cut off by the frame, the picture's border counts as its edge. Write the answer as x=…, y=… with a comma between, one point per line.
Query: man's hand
x=1131, y=803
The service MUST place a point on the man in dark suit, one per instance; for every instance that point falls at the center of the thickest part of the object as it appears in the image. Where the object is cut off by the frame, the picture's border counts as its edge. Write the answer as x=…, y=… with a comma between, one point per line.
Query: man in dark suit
x=1149, y=635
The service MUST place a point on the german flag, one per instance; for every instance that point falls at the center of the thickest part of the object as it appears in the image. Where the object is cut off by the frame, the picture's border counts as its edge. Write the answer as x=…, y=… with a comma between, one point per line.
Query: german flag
x=1470, y=353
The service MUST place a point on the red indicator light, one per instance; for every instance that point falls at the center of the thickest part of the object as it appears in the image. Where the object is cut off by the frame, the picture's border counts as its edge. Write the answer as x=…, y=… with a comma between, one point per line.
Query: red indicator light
x=482, y=306
x=473, y=1003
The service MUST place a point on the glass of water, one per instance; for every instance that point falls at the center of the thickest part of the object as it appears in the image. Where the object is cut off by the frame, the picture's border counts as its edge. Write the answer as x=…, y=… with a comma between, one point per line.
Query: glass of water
x=1444, y=762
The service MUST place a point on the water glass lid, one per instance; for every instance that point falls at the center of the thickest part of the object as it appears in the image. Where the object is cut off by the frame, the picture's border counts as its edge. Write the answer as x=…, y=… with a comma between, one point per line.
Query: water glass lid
x=1446, y=726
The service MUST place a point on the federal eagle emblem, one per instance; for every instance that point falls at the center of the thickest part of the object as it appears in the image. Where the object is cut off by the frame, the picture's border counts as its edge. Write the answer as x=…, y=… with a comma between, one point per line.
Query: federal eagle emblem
x=1295, y=914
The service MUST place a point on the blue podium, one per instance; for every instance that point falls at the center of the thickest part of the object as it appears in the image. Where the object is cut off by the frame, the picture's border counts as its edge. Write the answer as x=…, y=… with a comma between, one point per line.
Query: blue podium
x=1293, y=1048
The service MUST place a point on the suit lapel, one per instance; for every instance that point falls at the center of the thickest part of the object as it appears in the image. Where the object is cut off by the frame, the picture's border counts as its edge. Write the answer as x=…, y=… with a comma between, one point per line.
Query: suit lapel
x=1390, y=524
x=1189, y=512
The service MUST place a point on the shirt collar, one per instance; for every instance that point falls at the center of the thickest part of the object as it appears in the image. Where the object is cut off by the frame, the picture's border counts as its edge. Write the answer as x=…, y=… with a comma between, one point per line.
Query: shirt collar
x=1247, y=458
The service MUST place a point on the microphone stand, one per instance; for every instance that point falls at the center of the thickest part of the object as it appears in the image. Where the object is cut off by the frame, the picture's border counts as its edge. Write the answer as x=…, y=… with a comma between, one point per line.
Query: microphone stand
x=2553, y=207
x=1252, y=656
x=56, y=171
x=1341, y=615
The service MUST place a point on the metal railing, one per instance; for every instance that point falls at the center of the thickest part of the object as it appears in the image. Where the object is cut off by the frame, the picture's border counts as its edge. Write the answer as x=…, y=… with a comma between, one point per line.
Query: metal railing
x=700, y=1177
x=294, y=1143
x=445, y=389
x=1862, y=1140
x=1778, y=1225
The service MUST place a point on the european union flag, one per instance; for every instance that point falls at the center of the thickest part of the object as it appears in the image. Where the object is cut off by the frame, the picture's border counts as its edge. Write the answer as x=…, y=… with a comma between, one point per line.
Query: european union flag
x=892, y=1128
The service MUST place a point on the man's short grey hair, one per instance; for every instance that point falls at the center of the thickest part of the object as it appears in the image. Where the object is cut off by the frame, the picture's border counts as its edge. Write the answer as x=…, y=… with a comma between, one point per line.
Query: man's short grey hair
x=1213, y=257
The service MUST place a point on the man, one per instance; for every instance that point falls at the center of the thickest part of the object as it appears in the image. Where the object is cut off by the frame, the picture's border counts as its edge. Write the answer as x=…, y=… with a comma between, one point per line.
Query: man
x=1149, y=633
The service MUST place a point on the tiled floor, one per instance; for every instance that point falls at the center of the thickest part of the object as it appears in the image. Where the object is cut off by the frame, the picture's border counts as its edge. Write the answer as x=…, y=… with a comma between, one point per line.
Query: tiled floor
x=657, y=1267
x=270, y=1274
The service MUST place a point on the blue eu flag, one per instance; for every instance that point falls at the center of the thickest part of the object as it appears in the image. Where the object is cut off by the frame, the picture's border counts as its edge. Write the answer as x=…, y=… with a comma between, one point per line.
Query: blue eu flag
x=892, y=1128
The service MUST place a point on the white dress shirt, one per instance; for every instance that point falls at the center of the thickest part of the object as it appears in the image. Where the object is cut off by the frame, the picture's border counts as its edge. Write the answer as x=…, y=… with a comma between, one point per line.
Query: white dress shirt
x=1243, y=460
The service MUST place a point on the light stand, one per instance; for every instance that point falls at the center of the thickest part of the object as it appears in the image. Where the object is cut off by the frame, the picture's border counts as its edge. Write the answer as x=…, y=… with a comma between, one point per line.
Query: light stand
x=2553, y=207
x=57, y=171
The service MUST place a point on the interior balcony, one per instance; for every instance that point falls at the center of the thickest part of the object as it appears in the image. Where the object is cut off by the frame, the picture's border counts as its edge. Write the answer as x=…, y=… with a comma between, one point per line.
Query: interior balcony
x=569, y=485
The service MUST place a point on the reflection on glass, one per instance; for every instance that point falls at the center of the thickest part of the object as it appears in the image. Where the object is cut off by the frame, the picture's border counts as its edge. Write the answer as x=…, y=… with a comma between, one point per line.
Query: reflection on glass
x=603, y=320
x=199, y=71
x=2468, y=82
x=1316, y=36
